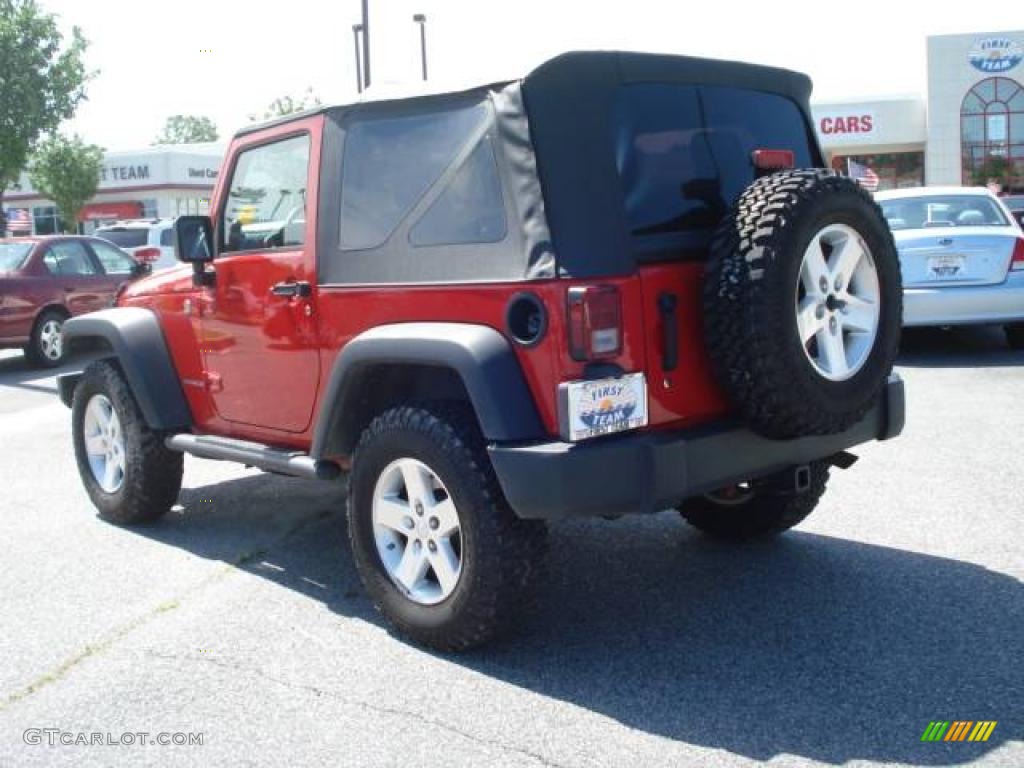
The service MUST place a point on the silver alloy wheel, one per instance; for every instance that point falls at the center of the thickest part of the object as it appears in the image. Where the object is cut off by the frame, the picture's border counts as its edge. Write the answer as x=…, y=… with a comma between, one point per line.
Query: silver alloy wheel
x=838, y=302
x=104, y=443
x=51, y=342
x=417, y=531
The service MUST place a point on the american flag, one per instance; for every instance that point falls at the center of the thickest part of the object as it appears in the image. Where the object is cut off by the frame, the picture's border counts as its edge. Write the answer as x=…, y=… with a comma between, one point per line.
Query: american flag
x=862, y=175
x=18, y=220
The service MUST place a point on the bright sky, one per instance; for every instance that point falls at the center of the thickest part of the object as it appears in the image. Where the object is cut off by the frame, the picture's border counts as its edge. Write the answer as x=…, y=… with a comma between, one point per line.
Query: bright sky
x=153, y=61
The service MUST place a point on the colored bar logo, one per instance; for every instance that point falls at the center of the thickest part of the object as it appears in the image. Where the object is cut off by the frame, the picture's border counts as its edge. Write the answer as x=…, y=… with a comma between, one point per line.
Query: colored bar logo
x=959, y=730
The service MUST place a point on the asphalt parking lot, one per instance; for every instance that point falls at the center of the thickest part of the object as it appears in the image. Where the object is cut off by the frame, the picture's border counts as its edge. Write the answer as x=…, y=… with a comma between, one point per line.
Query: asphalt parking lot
x=240, y=615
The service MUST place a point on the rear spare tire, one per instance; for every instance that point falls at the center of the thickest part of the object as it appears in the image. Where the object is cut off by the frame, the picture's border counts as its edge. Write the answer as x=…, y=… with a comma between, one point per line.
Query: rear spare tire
x=803, y=303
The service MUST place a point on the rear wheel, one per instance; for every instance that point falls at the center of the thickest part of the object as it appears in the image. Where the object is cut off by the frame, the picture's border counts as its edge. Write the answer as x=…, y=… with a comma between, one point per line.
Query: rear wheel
x=127, y=471
x=440, y=552
x=758, y=509
x=46, y=345
x=1015, y=335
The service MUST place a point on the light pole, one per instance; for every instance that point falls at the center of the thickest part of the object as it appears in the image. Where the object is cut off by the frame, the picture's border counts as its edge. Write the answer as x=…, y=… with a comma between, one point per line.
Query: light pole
x=366, y=43
x=356, y=30
x=421, y=19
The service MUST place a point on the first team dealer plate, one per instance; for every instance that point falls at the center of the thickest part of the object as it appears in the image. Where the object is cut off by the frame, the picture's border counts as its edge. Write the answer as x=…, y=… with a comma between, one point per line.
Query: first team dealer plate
x=604, y=406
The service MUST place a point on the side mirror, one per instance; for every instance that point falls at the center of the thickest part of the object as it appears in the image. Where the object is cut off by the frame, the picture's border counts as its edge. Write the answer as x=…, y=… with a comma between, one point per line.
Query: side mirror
x=141, y=268
x=193, y=240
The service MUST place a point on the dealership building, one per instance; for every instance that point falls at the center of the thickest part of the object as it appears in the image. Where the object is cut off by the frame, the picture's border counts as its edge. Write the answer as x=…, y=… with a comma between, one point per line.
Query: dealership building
x=968, y=128
x=157, y=182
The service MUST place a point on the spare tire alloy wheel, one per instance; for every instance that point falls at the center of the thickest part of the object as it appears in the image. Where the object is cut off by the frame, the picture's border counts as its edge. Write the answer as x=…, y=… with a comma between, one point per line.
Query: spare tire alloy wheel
x=417, y=531
x=837, y=302
x=803, y=304
x=104, y=443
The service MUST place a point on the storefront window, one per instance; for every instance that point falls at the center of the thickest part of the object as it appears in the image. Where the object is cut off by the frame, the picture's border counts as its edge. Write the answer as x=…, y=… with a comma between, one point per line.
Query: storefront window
x=183, y=206
x=895, y=170
x=992, y=134
x=46, y=220
x=149, y=209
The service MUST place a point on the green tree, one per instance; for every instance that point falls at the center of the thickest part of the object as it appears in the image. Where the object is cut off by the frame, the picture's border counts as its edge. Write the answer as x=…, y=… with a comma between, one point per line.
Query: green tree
x=67, y=171
x=42, y=80
x=287, y=105
x=187, y=129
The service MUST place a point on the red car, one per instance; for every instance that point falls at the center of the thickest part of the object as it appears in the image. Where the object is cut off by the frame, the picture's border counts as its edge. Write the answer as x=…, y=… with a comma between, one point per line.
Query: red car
x=46, y=280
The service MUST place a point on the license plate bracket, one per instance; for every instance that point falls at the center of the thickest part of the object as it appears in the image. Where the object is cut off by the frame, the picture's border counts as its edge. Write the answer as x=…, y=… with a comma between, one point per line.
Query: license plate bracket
x=595, y=407
x=946, y=266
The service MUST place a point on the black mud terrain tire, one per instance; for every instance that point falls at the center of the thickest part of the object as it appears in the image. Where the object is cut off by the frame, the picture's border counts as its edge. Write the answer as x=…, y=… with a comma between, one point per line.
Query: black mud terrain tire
x=44, y=348
x=758, y=510
x=148, y=485
x=498, y=552
x=754, y=286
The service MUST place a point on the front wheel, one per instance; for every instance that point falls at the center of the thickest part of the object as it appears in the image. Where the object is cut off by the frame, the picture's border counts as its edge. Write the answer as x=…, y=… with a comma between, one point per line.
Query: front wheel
x=130, y=476
x=757, y=509
x=440, y=552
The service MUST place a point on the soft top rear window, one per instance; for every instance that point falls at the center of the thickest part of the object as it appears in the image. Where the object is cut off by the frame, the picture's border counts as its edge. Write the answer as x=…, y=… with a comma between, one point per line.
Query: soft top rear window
x=124, y=237
x=683, y=154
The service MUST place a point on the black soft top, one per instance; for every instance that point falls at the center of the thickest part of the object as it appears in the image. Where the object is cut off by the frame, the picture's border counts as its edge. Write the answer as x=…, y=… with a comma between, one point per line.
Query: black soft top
x=569, y=101
x=556, y=126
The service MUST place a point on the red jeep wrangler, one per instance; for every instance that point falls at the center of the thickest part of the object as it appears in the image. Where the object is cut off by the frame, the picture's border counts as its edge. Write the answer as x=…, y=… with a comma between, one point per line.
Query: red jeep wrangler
x=601, y=289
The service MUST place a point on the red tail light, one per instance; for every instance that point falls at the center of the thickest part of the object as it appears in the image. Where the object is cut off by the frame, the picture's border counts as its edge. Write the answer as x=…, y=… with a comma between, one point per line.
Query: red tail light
x=1017, y=262
x=773, y=159
x=595, y=322
x=147, y=255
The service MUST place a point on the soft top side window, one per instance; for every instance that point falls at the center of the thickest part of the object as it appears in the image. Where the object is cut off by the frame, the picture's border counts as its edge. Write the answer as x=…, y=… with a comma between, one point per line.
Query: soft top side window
x=471, y=208
x=389, y=163
x=266, y=200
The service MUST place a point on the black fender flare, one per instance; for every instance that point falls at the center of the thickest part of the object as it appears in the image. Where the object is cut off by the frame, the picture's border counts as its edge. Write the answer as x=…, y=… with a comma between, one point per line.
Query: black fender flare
x=133, y=337
x=481, y=357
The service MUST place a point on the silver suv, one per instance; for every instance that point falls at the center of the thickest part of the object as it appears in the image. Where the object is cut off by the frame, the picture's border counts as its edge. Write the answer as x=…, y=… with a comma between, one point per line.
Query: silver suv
x=136, y=234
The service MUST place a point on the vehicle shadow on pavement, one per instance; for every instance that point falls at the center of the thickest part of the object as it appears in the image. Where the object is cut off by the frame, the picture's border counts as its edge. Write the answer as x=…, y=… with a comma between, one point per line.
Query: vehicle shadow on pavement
x=958, y=347
x=16, y=371
x=806, y=645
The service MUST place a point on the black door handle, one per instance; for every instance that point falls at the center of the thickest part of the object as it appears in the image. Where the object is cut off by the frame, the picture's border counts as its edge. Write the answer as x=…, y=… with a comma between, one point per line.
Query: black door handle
x=292, y=288
x=667, y=303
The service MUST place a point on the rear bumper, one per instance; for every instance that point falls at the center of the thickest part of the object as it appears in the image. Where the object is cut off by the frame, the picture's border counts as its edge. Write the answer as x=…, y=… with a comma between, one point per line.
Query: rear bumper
x=647, y=472
x=966, y=305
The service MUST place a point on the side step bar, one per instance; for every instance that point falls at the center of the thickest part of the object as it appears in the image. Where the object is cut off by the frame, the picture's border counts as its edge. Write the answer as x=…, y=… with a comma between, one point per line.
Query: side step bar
x=281, y=461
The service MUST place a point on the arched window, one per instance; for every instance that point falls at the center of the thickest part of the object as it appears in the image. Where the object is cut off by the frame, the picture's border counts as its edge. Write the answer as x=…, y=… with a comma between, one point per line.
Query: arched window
x=992, y=133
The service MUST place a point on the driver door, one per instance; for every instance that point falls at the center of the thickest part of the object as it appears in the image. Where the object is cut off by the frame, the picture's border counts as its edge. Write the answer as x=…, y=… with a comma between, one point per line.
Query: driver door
x=258, y=326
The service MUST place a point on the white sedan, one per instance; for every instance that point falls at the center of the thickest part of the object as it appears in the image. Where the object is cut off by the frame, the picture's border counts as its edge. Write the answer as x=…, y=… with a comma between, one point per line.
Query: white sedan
x=962, y=257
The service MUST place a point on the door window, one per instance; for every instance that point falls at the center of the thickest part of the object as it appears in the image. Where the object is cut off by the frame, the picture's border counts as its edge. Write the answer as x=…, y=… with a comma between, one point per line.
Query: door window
x=113, y=261
x=266, y=203
x=69, y=258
